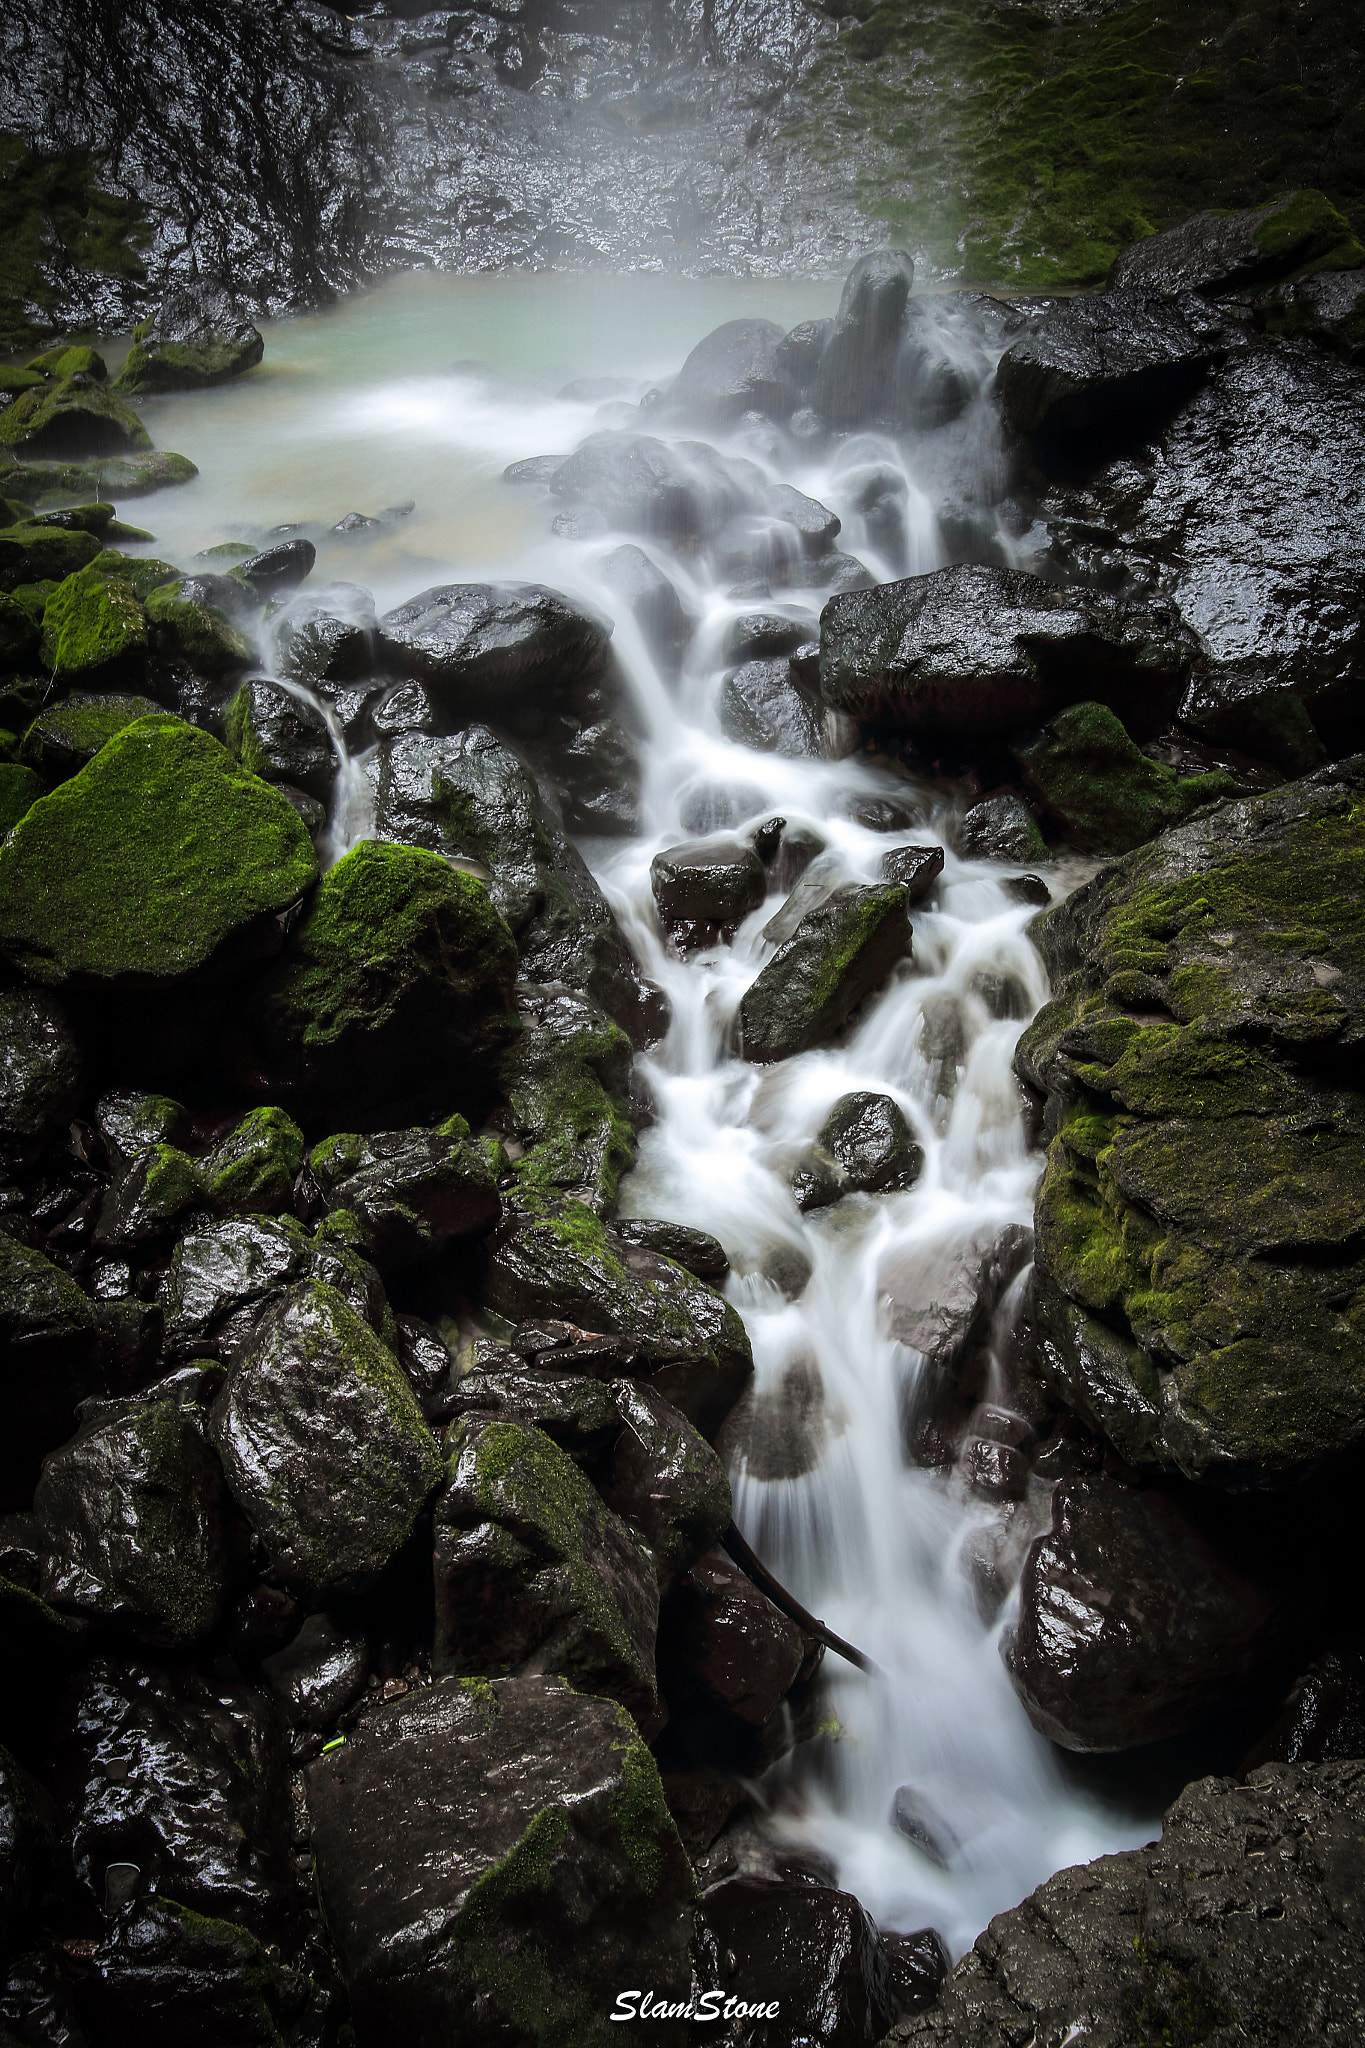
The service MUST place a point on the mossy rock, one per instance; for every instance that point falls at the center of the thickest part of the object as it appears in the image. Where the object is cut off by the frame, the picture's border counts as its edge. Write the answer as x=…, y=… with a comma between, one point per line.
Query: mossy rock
x=71, y=359
x=19, y=635
x=1108, y=796
x=94, y=630
x=60, y=741
x=160, y=859
x=14, y=381
x=142, y=573
x=78, y=417
x=839, y=954
x=38, y=554
x=196, y=634
x=402, y=1196
x=566, y=1079
x=1201, y=1222
x=20, y=789
x=117, y=476
x=154, y=365
x=394, y=993
x=253, y=1167
x=142, y=1210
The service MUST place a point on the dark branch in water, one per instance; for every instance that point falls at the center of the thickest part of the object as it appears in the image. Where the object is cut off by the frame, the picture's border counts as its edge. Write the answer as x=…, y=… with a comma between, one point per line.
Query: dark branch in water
x=733, y=1543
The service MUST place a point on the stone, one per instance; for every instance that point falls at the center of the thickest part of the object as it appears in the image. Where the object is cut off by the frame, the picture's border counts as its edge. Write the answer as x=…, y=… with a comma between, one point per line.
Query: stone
x=20, y=789
x=394, y=992
x=131, y=1509
x=532, y=1571
x=800, y=350
x=701, y=1253
x=723, y=1646
x=577, y=1412
x=40, y=554
x=1247, y=1917
x=711, y=885
x=1118, y=361
x=155, y=1767
x=182, y=627
x=1221, y=253
x=199, y=336
x=42, y=1074
x=495, y=1861
x=1001, y=828
x=145, y=1202
x=322, y=1442
x=760, y=636
x=1198, y=1220
x=684, y=1338
x=854, y=383
x=280, y=737
x=484, y=646
x=76, y=417
x=130, y=1121
x=817, y=1949
x=159, y=1968
x=734, y=370
x=224, y=1277
x=839, y=954
x=1141, y=1611
x=762, y=705
x=815, y=525
x=986, y=652
x=252, y=1167
x=665, y=1480
x=566, y=1079
x=681, y=492
x=118, y=476
x=408, y=1193
x=160, y=859
x=1108, y=796
x=1327, y=310
x=276, y=570
x=49, y=1362
x=411, y=707
x=328, y=636
x=653, y=604
x=318, y=1674
x=94, y=631
x=869, y=1141
x=916, y=868
x=60, y=741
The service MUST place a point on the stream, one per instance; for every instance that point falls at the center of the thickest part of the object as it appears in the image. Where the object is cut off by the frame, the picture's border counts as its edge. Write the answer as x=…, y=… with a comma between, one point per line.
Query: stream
x=422, y=392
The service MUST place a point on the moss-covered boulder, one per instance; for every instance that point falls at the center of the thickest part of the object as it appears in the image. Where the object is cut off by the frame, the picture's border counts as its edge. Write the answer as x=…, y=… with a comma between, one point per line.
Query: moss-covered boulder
x=131, y=1510
x=199, y=635
x=160, y=859
x=323, y=1443
x=117, y=476
x=198, y=337
x=19, y=634
x=226, y=1277
x=560, y=1260
x=406, y=1194
x=566, y=1080
x=142, y=573
x=94, y=631
x=20, y=788
x=35, y=554
x=254, y=1165
x=529, y=1563
x=49, y=1362
x=78, y=417
x=59, y=742
x=70, y=359
x=394, y=992
x=495, y=1861
x=839, y=954
x=1201, y=1222
x=1219, y=253
x=1108, y=796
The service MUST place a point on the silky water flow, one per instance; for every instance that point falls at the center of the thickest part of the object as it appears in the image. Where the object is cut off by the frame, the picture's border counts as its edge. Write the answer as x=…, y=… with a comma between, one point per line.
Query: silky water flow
x=355, y=408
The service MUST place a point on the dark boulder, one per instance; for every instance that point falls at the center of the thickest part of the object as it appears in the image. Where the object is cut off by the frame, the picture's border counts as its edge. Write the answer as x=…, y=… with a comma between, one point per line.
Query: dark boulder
x=1001, y=828
x=50, y=1361
x=839, y=954
x=323, y=1443
x=763, y=705
x=678, y=491
x=758, y=636
x=199, y=336
x=42, y=1074
x=1222, y=253
x=665, y=1480
x=495, y=1862
x=916, y=868
x=816, y=526
x=76, y=417
x=734, y=370
x=251, y=1168
x=701, y=1253
x=864, y=1147
x=800, y=350
x=573, y=1409
x=328, y=637
x=281, y=737
x=809, y=1949
x=723, y=1646
x=223, y=1278
x=276, y=570
x=1107, y=795
x=318, y=1674
x=409, y=1192
x=652, y=602
x=485, y=646
x=566, y=1079
x=704, y=891
x=854, y=383
x=1116, y=363
x=1327, y=310
x=63, y=738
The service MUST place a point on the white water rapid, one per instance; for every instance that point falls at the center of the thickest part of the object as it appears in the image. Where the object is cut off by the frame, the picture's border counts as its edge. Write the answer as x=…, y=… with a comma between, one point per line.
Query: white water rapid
x=359, y=409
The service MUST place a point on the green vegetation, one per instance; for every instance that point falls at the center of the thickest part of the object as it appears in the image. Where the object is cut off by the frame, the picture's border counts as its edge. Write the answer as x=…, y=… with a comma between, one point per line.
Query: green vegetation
x=254, y=1166
x=57, y=199
x=93, y=630
x=1017, y=149
x=1104, y=791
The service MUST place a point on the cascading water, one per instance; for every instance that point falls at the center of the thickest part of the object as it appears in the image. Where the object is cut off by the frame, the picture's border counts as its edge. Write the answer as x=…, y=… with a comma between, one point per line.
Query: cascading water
x=834, y=1300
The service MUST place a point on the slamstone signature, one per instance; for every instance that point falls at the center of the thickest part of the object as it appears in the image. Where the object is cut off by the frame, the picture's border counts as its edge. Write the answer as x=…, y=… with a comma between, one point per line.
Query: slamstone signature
x=712, y=2005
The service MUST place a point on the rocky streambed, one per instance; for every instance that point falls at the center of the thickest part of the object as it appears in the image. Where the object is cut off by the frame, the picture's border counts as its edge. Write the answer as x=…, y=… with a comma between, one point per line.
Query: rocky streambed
x=759, y=1023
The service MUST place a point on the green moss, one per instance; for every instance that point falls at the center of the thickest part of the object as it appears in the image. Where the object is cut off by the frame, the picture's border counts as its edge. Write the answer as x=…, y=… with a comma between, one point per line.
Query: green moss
x=71, y=361
x=40, y=554
x=254, y=1167
x=60, y=741
x=185, y=366
x=117, y=476
x=1103, y=790
x=199, y=635
x=93, y=627
x=141, y=867
x=858, y=927
x=77, y=417
x=1308, y=234
x=142, y=573
x=19, y=634
x=19, y=789
x=55, y=202
x=496, y=1952
x=641, y=1813
x=562, y=1108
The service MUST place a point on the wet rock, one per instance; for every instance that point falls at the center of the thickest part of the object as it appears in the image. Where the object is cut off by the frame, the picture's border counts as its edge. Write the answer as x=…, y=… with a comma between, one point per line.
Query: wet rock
x=705, y=891
x=995, y=1471
x=816, y=1945
x=1217, y=253
x=1115, y=361
x=576, y=1411
x=484, y=646
x=148, y=1199
x=317, y=1675
x=734, y=370
x=472, y=795
x=409, y=1193
x=394, y=993
x=131, y=1121
x=1030, y=889
x=328, y=637
x=939, y=1298
x=198, y=337
x=684, y=1338
x=916, y=868
x=864, y=1147
x=816, y=881
x=78, y=416
x=530, y=1565
x=778, y=1431
x=816, y=526
x=42, y=1074
x=919, y=1963
x=701, y=1253
x=854, y=382
x=252, y=1167
x=95, y=633
x=1085, y=772
x=678, y=491
x=1138, y=1615
x=182, y=627
x=263, y=1620
x=665, y=1480
x=222, y=1279
x=1323, y=1717
x=49, y=1362
x=485, y=1851
x=1203, y=1181
x=322, y=1442
x=61, y=740
x=800, y=350
x=719, y=806
x=723, y=1646
x=652, y=602
x=762, y=636
x=1001, y=828
x=131, y=1510
x=188, y=1783
x=763, y=705
x=1327, y=310
x=915, y=1817
x=281, y=738
x=986, y=651
x=593, y=772
x=566, y=1079
x=276, y=570
x=160, y=859
x=839, y=954
x=1272, y=1944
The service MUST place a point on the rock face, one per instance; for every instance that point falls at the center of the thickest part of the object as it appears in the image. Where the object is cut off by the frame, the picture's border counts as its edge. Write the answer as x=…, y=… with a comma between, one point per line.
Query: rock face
x=495, y=1862
x=839, y=953
x=1200, y=1216
x=1245, y=1921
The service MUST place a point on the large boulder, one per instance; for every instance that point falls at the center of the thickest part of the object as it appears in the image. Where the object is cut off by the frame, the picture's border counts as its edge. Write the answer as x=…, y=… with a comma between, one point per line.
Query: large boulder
x=323, y=1443
x=42, y=1074
x=1244, y=1922
x=665, y=1480
x=76, y=417
x=61, y=740
x=1114, y=361
x=839, y=954
x=978, y=652
x=198, y=336
x=566, y=1079
x=532, y=1571
x=677, y=1332
x=1217, y=254
x=223, y=1279
x=735, y=369
x=495, y=1862
x=1327, y=310
x=484, y=646
x=161, y=859
x=94, y=632
x=253, y=1165
x=813, y=1950
x=1106, y=794
x=652, y=601
x=855, y=381
x=408, y=1193
x=766, y=705
x=723, y=1647
x=49, y=1362
x=705, y=889
x=394, y=991
x=280, y=737
x=1199, y=1224
x=678, y=491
